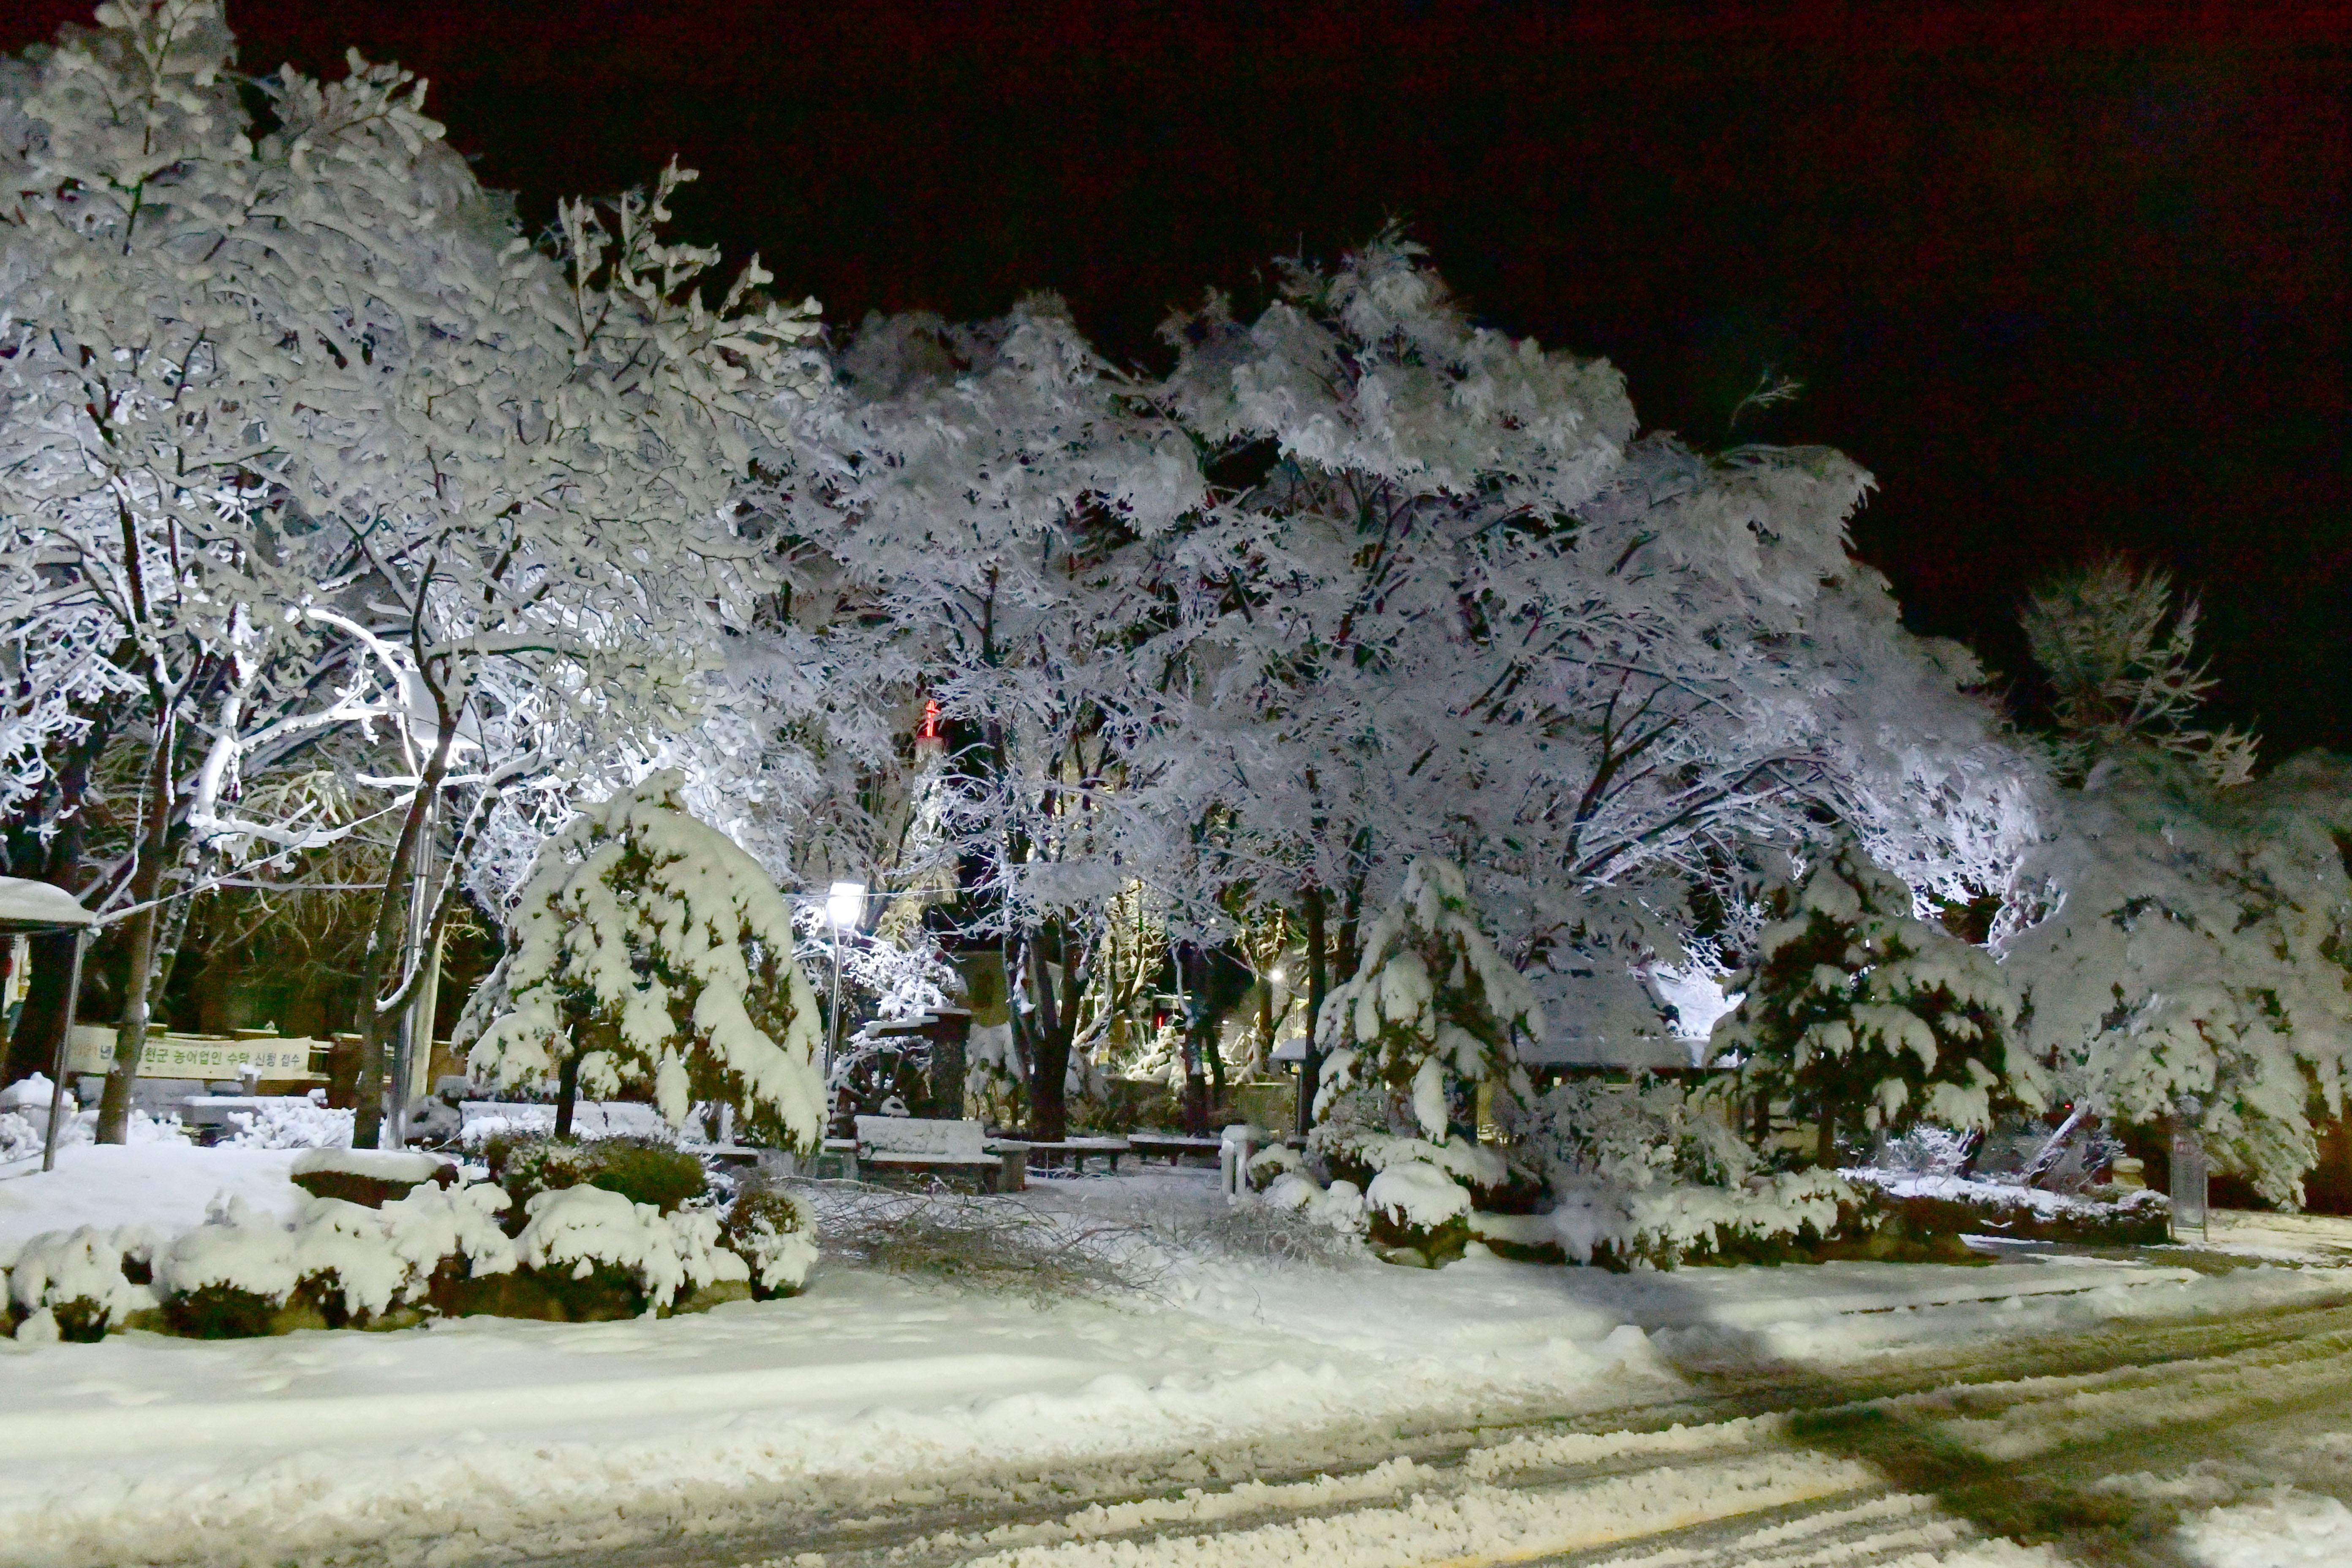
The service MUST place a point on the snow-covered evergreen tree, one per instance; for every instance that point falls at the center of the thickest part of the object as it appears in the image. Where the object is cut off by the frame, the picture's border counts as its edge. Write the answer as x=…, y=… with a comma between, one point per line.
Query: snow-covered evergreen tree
x=1863, y=1016
x=2121, y=671
x=1434, y=1013
x=648, y=948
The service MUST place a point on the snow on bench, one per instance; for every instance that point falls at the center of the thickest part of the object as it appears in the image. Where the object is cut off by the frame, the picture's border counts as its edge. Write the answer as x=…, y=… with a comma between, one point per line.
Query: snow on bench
x=1077, y=1150
x=915, y=1144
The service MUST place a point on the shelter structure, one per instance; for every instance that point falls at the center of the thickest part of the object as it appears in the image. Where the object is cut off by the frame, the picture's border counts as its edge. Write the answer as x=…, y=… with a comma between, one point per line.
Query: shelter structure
x=37, y=908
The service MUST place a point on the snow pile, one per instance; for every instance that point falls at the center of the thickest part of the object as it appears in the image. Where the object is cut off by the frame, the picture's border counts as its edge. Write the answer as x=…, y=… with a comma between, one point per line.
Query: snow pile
x=581, y=1230
x=2291, y=1528
x=1340, y=1205
x=75, y=1284
x=23, y=1132
x=290, y=1124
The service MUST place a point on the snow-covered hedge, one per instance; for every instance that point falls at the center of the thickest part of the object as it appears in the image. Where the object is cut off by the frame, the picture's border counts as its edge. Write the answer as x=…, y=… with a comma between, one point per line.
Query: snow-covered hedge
x=584, y=1253
x=589, y=1236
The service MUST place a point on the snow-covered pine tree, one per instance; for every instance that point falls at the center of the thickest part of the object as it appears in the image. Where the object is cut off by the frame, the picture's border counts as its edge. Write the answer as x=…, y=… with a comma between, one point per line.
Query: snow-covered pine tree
x=1863, y=1016
x=1432, y=1014
x=648, y=947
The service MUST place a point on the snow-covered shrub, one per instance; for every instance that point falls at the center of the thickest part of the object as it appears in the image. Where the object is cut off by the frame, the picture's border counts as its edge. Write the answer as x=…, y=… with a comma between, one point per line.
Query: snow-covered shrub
x=1927, y=1149
x=1416, y=1208
x=86, y=1280
x=1649, y=1171
x=1863, y=1016
x=1268, y=1163
x=359, y=1265
x=775, y=1234
x=290, y=1124
x=1339, y=1206
x=603, y=1255
x=230, y=1277
x=642, y=1170
x=649, y=948
x=22, y=1132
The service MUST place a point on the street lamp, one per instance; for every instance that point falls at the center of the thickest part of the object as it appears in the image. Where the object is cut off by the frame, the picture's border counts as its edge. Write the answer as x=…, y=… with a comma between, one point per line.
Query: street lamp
x=845, y=906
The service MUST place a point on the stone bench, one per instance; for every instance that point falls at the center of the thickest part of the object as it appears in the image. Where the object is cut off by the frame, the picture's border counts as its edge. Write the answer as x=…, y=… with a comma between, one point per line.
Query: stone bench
x=960, y=1150
x=1173, y=1147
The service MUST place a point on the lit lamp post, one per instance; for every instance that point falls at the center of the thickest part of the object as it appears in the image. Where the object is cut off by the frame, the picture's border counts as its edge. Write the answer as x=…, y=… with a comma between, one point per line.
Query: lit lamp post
x=845, y=906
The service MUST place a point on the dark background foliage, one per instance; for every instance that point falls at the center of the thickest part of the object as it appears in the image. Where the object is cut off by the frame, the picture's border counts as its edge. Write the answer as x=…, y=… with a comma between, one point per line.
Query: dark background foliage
x=2065, y=278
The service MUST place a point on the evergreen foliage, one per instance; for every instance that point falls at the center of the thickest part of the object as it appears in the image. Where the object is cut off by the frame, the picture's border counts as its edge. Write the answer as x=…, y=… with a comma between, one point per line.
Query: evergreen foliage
x=1863, y=1016
x=648, y=948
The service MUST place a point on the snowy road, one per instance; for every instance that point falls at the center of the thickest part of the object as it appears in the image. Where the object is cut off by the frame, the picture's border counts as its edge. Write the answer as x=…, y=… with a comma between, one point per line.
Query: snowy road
x=2209, y=1443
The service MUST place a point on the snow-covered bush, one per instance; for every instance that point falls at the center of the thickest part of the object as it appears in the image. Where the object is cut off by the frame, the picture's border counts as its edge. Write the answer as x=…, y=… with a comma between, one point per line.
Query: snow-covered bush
x=231, y=1276
x=1927, y=1149
x=642, y=1170
x=1340, y=1205
x=648, y=947
x=290, y=1124
x=775, y=1234
x=598, y=1250
x=1863, y=1016
x=358, y=1265
x=1650, y=1172
x=80, y=1283
x=1269, y=1164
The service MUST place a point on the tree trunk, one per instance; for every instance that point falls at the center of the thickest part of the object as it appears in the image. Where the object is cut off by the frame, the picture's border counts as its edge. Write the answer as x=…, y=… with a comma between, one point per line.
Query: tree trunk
x=567, y=1095
x=388, y=951
x=1825, y=1142
x=146, y=888
x=1049, y=1060
x=1319, y=980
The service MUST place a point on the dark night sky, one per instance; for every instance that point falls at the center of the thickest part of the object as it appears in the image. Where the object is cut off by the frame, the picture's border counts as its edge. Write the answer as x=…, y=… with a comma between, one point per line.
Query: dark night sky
x=2064, y=278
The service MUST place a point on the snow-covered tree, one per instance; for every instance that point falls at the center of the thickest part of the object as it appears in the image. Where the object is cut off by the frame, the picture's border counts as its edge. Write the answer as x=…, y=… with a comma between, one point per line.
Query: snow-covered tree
x=1433, y=1014
x=2121, y=671
x=1863, y=1016
x=1006, y=499
x=649, y=948
x=1445, y=604
x=2185, y=953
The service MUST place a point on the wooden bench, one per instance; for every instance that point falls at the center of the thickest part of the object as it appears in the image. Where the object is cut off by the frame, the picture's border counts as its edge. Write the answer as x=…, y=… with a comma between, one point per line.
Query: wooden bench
x=1076, y=1149
x=1173, y=1147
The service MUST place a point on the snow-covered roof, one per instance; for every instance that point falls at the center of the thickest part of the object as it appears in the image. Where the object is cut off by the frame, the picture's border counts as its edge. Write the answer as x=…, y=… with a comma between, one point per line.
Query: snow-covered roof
x=36, y=906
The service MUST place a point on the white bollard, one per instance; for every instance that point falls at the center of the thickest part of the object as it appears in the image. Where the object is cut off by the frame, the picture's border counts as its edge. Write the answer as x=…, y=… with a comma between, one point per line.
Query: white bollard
x=1234, y=1158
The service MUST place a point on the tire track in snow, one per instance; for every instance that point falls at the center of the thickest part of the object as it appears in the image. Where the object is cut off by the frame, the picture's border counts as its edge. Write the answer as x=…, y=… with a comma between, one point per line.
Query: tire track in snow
x=1846, y=1467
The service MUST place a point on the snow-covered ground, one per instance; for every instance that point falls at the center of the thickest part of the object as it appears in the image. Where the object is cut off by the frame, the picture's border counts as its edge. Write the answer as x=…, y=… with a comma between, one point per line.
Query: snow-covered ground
x=473, y=1435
